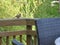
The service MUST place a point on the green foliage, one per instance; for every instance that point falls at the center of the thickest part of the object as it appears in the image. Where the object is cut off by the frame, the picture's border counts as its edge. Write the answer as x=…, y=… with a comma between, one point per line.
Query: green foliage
x=7, y=9
x=45, y=10
x=10, y=8
x=28, y=8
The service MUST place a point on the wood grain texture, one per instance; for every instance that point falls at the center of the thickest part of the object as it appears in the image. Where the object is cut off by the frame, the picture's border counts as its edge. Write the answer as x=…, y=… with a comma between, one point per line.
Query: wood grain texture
x=13, y=22
x=24, y=32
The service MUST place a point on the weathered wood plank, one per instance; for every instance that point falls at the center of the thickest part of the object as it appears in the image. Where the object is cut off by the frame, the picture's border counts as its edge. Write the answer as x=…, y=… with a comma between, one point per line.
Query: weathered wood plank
x=24, y=32
x=14, y=22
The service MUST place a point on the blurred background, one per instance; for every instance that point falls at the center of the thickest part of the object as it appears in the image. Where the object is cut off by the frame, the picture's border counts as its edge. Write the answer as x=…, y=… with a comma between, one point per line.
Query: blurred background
x=28, y=8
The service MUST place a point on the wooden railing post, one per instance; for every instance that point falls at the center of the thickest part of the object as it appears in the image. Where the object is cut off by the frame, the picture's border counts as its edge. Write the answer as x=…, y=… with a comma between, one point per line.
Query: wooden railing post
x=0, y=40
x=14, y=37
x=29, y=38
x=7, y=40
x=20, y=38
x=35, y=40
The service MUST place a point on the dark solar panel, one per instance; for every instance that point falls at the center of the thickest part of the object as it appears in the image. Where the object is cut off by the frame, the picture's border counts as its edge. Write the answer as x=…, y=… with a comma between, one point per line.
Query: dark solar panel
x=48, y=30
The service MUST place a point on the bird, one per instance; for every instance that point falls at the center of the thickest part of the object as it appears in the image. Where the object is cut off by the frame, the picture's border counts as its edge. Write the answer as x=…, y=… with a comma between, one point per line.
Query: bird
x=18, y=16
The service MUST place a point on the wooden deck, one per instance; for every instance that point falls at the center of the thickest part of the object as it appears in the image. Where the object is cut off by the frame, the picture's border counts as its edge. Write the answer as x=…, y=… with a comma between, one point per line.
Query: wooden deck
x=19, y=22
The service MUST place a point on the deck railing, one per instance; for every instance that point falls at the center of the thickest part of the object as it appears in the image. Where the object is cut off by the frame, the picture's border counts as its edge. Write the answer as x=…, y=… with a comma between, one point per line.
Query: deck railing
x=28, y=32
